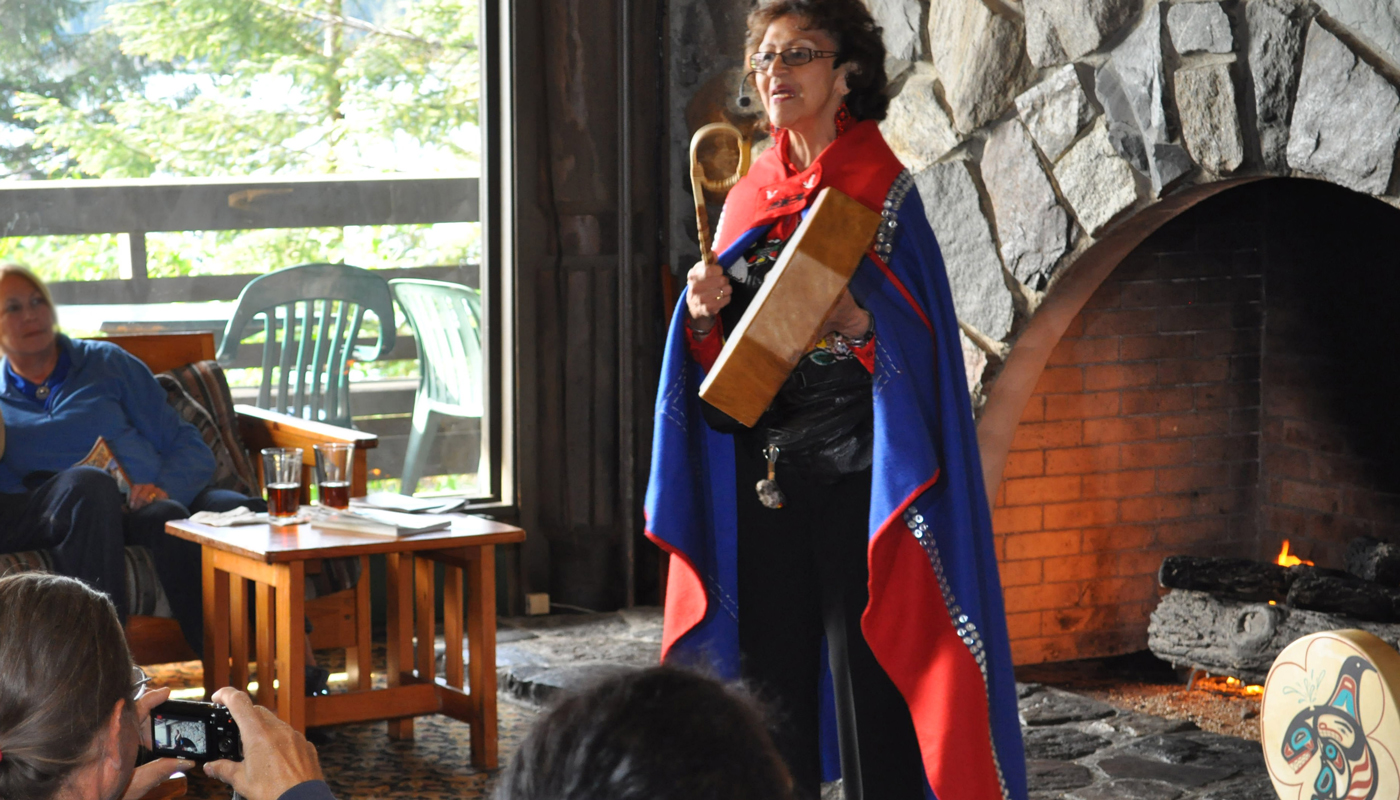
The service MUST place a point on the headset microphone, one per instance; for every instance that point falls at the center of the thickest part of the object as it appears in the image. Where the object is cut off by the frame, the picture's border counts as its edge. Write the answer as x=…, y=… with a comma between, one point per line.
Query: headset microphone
x=744, y=101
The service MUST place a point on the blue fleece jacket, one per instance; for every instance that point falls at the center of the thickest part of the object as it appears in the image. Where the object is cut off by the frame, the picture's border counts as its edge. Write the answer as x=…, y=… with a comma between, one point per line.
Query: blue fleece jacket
x=108, y=393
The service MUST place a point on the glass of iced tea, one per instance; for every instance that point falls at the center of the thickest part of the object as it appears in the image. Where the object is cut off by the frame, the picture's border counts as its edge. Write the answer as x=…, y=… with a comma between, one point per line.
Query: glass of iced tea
x=282, y=474
x=334, y=461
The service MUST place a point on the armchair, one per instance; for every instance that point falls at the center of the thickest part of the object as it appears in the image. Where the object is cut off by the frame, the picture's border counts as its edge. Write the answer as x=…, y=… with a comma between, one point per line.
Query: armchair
x=155, y=639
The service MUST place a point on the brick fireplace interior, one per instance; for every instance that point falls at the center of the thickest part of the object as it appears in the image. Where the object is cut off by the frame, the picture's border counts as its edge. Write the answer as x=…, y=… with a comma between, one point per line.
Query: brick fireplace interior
x=1234, y=382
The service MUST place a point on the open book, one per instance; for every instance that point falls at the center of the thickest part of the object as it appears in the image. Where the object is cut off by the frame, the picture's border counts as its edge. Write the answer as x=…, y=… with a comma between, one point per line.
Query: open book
x=376, y=522
x=102, y=457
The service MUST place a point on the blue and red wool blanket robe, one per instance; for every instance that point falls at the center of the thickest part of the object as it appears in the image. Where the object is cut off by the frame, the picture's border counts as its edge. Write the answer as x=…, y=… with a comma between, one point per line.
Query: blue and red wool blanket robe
x=935, y=619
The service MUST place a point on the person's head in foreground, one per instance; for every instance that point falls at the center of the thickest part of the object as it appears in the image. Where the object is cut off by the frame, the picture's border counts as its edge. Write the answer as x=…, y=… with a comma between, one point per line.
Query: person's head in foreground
x=73, y=708
x=658, y=734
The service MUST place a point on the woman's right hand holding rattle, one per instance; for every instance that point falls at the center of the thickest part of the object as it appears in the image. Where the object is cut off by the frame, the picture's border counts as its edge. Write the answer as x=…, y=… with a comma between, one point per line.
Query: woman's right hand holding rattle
x=708, y=291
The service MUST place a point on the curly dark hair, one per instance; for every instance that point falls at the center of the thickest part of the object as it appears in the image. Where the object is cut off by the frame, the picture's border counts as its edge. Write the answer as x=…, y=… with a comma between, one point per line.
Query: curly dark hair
x=658, y=734
x=857, y=40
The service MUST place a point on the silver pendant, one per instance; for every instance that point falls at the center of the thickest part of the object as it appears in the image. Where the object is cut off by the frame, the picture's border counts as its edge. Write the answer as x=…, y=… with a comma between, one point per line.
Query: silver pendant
x=768, y=492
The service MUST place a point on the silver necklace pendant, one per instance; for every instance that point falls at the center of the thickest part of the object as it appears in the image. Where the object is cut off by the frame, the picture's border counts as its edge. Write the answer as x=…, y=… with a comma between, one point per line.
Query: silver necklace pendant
x=768, y=492
x=42, y=392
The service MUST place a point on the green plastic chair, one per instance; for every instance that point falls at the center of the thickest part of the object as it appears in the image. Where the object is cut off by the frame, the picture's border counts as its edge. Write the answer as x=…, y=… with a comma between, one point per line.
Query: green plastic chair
x=310, y=318
x=446, y=319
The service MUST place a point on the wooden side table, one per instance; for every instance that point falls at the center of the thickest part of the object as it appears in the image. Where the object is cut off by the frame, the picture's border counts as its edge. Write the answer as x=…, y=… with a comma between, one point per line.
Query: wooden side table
x=274, y=559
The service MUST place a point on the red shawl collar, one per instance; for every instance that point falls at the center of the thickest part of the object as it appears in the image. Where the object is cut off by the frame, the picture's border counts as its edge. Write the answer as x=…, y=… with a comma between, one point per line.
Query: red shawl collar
x=858, y=163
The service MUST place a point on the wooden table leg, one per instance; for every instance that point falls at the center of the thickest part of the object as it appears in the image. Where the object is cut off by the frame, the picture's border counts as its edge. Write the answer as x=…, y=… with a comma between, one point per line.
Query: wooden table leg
x=291, y=644
x=452, y=632
x=399, y=629
x=216, y=625
x=238, y=632
x=481, y=643
x=266, y=599
x=359, y=660
x=423, y=584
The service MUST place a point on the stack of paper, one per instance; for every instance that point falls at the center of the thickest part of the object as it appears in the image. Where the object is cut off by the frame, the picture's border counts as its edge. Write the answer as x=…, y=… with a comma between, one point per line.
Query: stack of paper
x=377, y=522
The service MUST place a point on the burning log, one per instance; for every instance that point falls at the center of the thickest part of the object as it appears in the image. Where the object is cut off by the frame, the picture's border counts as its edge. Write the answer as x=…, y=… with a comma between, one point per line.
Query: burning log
x=1241, y=639
x=1374, y=560
x=1237, y=578
x=1337, y=592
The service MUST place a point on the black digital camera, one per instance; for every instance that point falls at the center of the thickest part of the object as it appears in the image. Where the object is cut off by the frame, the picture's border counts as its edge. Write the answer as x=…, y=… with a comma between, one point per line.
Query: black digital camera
x=200, y=732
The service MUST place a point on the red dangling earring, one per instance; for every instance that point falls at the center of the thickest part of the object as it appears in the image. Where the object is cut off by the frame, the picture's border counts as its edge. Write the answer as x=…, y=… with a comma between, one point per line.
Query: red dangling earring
x=843, y=119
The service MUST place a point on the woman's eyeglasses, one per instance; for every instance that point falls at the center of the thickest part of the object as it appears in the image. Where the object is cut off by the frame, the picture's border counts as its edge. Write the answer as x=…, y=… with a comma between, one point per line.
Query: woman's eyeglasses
x=793, y=57
x=139, y=681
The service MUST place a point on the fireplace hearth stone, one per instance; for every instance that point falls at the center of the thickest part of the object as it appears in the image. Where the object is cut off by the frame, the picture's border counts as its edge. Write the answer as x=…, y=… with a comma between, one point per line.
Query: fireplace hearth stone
x=1049, y=776
x=1061, y=744
x=1083, y=749
x=1052, y=707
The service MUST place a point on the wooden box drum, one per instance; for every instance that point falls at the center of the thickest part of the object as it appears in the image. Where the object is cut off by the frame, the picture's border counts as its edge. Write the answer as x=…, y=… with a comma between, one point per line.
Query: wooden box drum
x=1330, y=725
x=786, y=316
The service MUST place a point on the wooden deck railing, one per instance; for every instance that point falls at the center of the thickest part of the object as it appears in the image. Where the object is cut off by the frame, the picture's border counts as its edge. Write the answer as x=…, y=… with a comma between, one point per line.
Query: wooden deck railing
x=133, y=208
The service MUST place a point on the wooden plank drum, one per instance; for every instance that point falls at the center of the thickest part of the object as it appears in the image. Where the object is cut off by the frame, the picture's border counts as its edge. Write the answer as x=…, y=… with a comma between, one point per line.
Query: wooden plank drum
x=1330, y=725
x=785, y=318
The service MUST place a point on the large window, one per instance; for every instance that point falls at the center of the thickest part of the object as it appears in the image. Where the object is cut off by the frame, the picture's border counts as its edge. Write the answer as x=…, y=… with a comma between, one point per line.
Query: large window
x=157, y=155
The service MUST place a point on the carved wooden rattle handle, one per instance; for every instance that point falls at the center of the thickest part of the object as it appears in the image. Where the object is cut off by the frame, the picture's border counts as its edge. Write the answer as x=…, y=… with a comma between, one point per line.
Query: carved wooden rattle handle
x=699, y=184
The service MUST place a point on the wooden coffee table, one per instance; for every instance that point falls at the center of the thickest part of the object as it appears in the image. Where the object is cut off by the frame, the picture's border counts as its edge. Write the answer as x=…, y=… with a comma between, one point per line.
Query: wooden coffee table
x=274, y=559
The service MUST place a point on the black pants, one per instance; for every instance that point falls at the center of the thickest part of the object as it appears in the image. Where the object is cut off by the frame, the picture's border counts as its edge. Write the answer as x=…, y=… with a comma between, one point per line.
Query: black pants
x=803, y=573
x=77, y=516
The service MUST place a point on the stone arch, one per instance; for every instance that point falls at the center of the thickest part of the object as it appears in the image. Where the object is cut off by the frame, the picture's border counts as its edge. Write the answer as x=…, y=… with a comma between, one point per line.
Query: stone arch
x=1051, y=137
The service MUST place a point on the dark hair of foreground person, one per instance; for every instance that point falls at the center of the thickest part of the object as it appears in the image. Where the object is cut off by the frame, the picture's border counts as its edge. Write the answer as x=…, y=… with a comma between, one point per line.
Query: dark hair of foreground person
x=659, y=734
x=58, y=681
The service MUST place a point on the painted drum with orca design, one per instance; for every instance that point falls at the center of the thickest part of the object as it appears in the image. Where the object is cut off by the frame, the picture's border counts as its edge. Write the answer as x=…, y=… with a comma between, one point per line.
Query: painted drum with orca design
x=1330, y=724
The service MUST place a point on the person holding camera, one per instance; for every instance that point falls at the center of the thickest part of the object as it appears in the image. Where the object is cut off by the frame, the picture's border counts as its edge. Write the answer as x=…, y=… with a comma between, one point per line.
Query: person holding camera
x=74, y=710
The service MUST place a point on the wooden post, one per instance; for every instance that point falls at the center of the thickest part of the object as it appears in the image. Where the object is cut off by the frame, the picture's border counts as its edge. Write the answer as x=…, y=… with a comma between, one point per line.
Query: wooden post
x=423, y=569
x=359, y=660
x=481, y=643
x=266, y=598
x=452, y=630
x=291, y=644
x=399, y=624
x=216, y=625
x=238, y=632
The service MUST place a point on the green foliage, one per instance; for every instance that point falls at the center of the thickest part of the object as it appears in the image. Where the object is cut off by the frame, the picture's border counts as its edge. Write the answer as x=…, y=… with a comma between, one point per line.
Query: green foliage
x=239, y=87
x=40, y=55
x=274, y=86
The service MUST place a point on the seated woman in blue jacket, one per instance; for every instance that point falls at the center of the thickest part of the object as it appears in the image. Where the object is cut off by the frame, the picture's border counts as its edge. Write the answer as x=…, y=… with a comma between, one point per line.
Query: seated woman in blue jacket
x=58, y=395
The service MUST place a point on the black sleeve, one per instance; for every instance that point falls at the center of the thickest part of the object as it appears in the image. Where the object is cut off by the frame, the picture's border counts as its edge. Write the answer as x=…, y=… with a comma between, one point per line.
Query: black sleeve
x=720, y=421
x=310, y=790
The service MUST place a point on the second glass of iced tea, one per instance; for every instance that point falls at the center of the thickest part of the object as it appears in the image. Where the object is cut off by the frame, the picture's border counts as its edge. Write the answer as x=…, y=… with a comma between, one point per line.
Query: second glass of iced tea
x=282, y=475
x=334, y=462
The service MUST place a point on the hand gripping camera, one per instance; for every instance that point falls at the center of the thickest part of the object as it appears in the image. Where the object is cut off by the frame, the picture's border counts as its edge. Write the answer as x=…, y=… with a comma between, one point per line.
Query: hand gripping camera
x=200, y=732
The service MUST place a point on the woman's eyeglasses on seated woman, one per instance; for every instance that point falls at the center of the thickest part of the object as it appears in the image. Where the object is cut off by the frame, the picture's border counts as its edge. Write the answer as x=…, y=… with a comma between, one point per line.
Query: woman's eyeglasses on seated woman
x=793, y=57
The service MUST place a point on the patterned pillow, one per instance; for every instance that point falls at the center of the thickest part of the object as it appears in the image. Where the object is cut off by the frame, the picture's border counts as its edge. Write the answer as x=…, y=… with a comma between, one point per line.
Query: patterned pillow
x=205, y=382
x=225, y=470
x=144, y=594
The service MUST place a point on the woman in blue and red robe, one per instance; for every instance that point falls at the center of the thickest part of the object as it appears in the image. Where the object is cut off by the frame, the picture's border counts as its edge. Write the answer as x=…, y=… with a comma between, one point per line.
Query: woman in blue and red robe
x=867, y=608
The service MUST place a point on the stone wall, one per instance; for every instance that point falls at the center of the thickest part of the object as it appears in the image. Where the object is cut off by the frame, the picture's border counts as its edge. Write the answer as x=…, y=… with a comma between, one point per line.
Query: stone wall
x=1069, y=116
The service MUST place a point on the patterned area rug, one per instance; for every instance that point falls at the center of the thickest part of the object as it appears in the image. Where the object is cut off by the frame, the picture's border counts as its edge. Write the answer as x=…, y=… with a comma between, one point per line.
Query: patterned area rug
x=361, y=762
